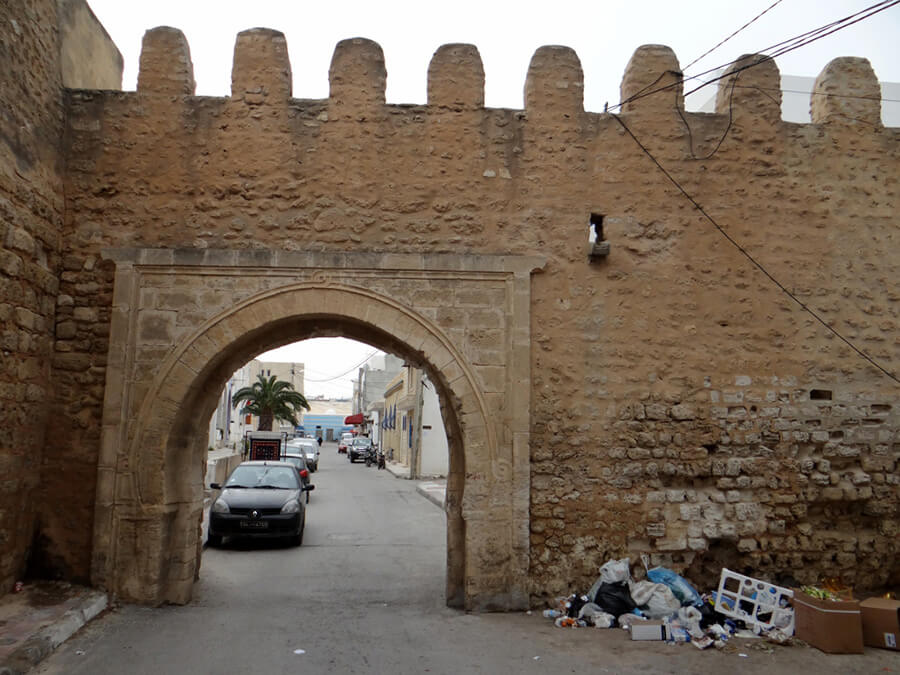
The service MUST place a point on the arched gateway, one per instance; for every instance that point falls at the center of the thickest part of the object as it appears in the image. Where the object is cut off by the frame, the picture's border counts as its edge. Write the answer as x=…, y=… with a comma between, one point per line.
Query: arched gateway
x=184, y=320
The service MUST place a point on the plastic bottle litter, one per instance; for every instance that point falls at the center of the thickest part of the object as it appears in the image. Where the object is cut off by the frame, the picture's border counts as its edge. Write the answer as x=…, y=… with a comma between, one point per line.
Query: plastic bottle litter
x=552, y=613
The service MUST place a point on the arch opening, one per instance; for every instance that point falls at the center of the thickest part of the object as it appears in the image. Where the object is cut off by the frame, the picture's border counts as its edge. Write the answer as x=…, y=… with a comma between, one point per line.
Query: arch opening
x=187, y=445
x=146, y=543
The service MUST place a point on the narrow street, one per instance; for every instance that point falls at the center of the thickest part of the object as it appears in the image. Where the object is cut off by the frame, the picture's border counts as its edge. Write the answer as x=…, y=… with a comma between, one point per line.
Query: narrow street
x=365, y=594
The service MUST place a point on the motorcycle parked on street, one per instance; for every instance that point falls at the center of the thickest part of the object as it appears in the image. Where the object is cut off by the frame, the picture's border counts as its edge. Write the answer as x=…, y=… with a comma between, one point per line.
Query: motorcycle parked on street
x=371, y=455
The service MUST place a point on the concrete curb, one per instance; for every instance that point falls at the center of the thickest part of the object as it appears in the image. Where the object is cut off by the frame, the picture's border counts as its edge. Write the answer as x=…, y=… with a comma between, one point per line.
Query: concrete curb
x=40, y=645
x=433, y=492
x=397, y=470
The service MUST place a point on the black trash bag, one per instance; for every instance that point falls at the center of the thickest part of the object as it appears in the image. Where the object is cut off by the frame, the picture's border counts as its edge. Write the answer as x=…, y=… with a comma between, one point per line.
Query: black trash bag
x=709, y=615
x=615, y=598
x=574, y=603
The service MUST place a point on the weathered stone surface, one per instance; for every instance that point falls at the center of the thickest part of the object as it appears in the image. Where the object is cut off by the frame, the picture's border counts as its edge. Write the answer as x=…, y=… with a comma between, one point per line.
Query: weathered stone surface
x=847, y=92
x=165, y=67
x=669, y=376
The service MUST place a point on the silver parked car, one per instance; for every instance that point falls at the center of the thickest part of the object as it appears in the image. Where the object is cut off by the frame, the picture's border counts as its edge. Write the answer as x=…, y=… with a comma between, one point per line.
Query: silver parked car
x=308, y=447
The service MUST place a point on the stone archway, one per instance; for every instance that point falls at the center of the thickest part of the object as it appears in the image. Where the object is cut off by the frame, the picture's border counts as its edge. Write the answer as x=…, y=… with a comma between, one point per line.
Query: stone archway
x=183, y=321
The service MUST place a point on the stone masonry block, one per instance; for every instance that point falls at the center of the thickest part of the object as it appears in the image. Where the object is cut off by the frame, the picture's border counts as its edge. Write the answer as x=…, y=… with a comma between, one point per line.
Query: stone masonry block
x=456, y=78
x=262, y=70
x=859, y=94
x=555, y=81
x=166, y=66
x=357, y=75
x=652, y=80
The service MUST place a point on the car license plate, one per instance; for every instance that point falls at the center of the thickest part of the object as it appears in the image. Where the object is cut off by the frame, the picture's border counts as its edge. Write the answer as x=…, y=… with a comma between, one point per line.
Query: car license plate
x=255, y=524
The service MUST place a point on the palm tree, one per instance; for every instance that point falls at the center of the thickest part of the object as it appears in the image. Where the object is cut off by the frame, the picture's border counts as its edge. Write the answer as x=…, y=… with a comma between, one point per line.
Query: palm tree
x=270, y=399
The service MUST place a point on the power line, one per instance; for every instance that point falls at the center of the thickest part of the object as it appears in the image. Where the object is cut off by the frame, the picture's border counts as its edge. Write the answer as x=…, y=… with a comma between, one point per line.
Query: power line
x=819, y=93
x=804, y=39
x=781, y=48
x=751, y=258
x=710, y=51
x=735, y=73
x=329, y=379
x=727, y=127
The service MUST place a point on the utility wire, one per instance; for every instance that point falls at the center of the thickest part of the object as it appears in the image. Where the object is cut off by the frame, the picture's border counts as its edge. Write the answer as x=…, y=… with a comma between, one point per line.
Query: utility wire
x=809, y=37
x=710, y=51
x=750, y=257
x=336, y=377
x=781, y=48
x=818, y=93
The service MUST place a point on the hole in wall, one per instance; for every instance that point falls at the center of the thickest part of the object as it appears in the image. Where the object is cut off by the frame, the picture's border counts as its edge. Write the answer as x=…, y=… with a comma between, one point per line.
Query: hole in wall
x=820, y=395
x=595, y=234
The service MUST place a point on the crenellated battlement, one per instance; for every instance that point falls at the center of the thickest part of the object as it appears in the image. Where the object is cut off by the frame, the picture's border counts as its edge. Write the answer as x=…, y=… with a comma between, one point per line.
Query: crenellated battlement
x=846, y=92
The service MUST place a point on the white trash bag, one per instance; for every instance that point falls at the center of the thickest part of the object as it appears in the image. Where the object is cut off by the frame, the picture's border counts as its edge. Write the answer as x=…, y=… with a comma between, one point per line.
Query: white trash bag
x=656, y=601
x=615, y=571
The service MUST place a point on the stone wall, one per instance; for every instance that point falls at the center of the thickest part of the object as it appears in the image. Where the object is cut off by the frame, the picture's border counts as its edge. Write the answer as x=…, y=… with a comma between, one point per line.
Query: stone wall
x=31, y=216
x=31, y=210
x=88, y=57
x=682, y=404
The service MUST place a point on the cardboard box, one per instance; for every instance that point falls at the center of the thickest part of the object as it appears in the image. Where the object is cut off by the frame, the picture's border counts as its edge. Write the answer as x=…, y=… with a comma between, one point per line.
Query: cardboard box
x=834, y=627
x=881, y=622
x=649, y=630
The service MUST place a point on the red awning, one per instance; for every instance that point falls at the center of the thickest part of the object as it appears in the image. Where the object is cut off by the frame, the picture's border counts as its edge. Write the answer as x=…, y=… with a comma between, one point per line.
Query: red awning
x=354, y=419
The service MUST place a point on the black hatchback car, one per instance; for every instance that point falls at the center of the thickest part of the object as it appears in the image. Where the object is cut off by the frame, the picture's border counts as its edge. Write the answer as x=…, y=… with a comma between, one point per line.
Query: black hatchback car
x=259, y=500
x=360, y=448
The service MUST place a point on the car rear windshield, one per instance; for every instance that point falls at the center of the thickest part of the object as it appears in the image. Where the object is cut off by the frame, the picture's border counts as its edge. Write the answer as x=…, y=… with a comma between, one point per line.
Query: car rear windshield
x=263, y=477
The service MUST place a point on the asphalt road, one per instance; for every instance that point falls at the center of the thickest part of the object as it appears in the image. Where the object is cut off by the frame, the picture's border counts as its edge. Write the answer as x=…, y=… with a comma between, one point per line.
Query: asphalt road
x=365, y=594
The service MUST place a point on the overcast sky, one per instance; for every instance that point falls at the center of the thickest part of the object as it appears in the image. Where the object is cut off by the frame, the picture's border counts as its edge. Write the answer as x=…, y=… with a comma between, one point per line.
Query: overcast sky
x=603, y=33
x=330, y=364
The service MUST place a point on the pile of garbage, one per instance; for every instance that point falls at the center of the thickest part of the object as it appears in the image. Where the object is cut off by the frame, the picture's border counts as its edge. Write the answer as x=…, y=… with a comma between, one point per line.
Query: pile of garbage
x=665, y=606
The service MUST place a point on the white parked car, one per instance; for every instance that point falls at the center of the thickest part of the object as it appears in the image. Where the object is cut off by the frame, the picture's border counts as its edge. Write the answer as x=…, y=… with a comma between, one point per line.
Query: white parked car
x=309, y=447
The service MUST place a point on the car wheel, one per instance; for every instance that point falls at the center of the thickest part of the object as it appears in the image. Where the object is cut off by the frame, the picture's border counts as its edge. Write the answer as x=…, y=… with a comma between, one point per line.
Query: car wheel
x=297, y=539
x=213, y=540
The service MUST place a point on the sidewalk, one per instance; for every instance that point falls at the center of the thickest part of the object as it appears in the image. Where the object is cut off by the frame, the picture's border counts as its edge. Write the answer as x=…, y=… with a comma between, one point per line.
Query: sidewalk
x=219, y=463
x=434, y=489
x=41, y=617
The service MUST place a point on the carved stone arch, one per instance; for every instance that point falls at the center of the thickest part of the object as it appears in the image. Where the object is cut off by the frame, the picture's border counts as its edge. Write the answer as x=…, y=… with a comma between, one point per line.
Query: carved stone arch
x=146, y=546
